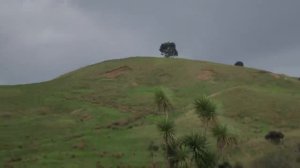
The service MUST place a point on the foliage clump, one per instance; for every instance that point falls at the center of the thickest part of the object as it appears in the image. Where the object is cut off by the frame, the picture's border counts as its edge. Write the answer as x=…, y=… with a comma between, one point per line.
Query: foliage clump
x=239, y=63
x=224, y=139
x=192, y=150
x=168, y=49
x=163, y=102
x=275, y=137
x=206, y=110
x=200, y=153
x=187, y=151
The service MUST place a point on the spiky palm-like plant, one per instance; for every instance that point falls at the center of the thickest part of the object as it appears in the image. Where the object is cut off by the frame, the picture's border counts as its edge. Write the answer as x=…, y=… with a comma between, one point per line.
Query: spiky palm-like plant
x=224, y=139
x=167, y=129
x=206, y=110
x=182, y=155
x=163, y=102
x=178, y=155
x=200, y=154
x=168, y=132
x=209, y=160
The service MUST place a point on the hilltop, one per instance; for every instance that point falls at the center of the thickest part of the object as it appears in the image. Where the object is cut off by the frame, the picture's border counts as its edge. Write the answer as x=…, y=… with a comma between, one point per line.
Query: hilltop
x=104, y=114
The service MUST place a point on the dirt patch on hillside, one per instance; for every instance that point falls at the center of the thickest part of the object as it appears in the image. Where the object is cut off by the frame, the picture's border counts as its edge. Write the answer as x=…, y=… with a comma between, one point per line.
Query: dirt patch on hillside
x=129, y=122
x=81, y=115
x=114, y=73
x=5, y=114
x=276, y=76
x=206, y=75
x=134, y=84
x=80, y=145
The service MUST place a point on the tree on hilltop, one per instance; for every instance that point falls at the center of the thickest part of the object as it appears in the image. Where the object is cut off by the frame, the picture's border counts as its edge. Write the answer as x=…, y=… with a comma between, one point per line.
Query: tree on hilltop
x=168, y=49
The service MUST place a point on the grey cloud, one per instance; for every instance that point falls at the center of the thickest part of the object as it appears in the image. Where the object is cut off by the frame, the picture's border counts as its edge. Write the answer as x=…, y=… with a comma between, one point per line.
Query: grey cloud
x=222, y=31
x=41, y=39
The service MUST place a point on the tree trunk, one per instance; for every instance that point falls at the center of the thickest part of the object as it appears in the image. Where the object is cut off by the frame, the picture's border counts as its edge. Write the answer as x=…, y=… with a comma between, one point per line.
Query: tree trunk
x=166, y=115
x=205, y=128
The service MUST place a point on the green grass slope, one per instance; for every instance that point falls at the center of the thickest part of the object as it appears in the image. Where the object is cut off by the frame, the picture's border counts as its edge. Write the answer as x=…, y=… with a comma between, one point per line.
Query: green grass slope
x=104, y=114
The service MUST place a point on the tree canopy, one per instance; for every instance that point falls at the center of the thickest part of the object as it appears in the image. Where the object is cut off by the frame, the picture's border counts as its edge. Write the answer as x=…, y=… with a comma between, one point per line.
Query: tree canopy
x=239, y=63
x=168, y=49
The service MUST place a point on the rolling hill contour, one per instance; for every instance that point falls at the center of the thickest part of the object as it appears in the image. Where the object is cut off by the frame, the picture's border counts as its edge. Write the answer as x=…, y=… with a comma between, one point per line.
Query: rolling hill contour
x=104, y=114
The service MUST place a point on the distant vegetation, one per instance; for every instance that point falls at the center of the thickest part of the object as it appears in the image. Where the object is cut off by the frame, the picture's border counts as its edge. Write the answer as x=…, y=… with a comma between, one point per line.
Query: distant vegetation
x=275, y=137
x=239, y=63
x=168, y=49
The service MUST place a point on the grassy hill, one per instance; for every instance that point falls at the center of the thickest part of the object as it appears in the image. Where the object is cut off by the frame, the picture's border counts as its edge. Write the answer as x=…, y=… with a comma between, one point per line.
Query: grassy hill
x=104, y=114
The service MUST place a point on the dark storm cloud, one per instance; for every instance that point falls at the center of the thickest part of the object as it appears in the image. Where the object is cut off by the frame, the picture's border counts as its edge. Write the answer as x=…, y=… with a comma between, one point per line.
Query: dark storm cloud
x=41, y=39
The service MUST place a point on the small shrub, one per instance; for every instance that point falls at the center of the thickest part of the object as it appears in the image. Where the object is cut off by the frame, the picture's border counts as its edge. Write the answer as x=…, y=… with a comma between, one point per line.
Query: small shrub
x=274, y=137
x=239, y=63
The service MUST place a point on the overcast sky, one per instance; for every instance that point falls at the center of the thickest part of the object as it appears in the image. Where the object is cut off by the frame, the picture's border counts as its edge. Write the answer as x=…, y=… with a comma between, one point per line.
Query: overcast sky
x=42, y=39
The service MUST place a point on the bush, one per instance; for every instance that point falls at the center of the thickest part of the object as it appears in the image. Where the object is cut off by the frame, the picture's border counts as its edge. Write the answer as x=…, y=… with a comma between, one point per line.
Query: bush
x=275, y=137
x=239, y=63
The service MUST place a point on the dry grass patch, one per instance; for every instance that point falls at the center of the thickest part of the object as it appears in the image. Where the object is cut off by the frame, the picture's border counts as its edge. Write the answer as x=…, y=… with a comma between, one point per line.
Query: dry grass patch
x=205, y=75
x=114, y=73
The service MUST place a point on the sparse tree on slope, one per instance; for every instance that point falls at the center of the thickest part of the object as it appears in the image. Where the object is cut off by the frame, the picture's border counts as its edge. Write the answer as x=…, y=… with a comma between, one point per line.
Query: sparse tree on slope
x=163, y=102
x=206, y=110
x=224, y=139
x=201, y=157
x=166, y=128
